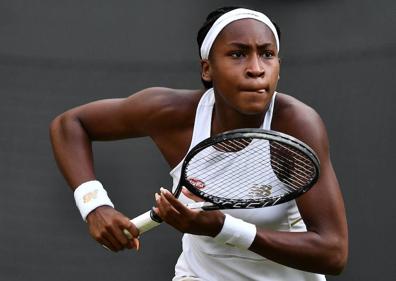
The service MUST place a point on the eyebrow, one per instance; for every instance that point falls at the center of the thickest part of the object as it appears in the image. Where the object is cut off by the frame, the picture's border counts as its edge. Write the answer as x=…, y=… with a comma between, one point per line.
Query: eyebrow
x=248, y=46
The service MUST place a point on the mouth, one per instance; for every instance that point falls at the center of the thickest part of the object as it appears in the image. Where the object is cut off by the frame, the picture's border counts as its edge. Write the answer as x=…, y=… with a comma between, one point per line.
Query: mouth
x=257, y=91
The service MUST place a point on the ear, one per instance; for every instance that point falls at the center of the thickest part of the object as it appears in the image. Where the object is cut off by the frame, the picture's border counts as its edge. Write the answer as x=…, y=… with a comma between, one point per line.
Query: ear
x=206, y=71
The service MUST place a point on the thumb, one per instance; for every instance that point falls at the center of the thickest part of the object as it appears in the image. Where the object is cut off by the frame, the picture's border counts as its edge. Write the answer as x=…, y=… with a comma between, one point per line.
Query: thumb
x=131, y=233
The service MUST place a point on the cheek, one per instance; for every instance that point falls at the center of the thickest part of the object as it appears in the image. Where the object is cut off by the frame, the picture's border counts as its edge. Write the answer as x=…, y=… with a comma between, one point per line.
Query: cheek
x=225, y=77
x=273, y=75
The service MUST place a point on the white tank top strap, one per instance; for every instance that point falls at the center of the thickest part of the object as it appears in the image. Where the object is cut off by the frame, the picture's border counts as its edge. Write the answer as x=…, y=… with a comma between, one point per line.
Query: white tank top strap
x=203, y=118
x=268, y=115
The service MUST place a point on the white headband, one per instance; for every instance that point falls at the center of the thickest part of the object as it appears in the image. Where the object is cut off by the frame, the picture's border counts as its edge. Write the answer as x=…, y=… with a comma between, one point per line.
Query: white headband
x=229, y=17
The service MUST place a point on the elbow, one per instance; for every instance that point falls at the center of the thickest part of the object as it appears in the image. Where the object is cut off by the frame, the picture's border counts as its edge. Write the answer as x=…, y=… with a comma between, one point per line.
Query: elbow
x=57, y=126
x=337, y=265
x=336, y=258
x=62, y=125
x=54, y=126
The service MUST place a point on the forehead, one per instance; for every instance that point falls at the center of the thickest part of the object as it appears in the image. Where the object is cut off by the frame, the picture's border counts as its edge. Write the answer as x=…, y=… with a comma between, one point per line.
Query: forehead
x=246, y=30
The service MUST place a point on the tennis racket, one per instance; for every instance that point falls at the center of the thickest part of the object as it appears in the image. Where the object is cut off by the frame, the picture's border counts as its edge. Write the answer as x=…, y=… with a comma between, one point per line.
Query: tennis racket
x=243, y=169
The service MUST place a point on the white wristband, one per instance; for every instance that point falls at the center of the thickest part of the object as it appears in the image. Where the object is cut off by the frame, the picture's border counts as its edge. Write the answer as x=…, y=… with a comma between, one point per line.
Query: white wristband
x=236, y=232
x=89, y=196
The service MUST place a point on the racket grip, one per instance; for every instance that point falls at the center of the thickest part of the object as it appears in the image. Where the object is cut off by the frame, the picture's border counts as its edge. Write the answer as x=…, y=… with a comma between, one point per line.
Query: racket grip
x=146, y=221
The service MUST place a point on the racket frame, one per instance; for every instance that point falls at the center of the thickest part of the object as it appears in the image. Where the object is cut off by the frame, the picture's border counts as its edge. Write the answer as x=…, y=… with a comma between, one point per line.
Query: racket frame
x=255, y=133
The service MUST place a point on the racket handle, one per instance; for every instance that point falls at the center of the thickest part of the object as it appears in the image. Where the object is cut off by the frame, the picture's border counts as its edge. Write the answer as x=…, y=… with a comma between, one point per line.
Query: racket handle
x=146, y=221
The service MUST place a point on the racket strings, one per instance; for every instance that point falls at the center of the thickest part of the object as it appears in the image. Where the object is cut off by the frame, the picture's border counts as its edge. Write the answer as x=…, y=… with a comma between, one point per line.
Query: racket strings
x=229, y=170
x=298, y=172
x=237, y=183
x=280, y=173
x=300, y=169
x=303, y=162
x=222, y=181
x=280, y=164
x=238, y=188
x=256, y=176
x=233, y=145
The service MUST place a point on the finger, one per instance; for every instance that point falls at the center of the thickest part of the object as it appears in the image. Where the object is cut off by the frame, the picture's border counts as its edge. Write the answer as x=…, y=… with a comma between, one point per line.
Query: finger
x=162, y=205
x=157, y=204
x=175, y=203
x=106, y=244
x=127, y=234
x=115, y=234
x=113, y=243
x=129, y=229
x=191, y=196
x=130, y=232
x=123, y=235
x=168, y=200
x=165, y=209
x=133, y=243
x=136, y=243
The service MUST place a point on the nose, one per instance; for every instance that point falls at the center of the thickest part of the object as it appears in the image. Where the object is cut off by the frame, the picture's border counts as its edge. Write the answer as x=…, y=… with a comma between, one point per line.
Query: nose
x=255, y=68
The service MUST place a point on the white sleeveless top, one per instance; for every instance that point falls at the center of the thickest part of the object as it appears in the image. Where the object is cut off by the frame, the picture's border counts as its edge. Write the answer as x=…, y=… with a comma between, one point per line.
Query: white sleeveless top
x=206, y=260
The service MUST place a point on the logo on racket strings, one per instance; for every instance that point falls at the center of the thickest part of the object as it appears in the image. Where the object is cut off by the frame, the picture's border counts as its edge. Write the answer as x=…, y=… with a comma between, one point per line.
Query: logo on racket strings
x=197, y=183
x=260, y=191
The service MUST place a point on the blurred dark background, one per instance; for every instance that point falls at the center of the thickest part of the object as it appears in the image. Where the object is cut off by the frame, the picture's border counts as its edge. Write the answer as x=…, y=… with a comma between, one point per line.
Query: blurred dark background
x=338, y=56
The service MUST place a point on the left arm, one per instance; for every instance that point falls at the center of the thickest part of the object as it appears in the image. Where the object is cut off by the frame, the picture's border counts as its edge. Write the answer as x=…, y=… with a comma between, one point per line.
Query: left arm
x=323, y=248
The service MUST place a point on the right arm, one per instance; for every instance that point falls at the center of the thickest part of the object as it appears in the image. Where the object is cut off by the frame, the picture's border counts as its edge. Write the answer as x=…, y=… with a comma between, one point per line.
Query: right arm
x=72, y=134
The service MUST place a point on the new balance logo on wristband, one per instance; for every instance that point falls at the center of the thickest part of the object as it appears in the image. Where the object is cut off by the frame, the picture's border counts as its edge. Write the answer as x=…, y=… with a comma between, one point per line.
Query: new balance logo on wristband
x=90, y=196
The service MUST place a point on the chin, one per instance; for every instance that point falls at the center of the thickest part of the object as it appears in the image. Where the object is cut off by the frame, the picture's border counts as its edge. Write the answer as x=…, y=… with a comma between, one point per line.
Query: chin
x=253, y=110
x=255, y=105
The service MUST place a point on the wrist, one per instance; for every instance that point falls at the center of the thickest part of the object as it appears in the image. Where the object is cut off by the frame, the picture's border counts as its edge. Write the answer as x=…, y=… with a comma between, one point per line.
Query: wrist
x=89, y=196
x=236, y=232
x=97, y=212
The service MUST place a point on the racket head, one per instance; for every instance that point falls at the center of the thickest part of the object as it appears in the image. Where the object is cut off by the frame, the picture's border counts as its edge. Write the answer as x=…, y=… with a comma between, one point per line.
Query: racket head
x=291, y=167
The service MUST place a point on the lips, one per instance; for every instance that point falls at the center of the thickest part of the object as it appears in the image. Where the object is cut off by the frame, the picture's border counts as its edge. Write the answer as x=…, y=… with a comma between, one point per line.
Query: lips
x=255, y=89
x=258, y=90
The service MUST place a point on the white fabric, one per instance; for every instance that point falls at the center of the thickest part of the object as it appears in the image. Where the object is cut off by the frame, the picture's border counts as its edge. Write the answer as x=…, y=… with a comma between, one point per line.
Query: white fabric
x=229, y=17
x=89, y=196
x=236, y=232
x=203, y=259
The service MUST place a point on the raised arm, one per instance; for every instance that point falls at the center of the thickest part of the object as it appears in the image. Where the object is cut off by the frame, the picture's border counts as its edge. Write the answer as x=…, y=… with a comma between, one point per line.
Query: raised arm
x=72, y=134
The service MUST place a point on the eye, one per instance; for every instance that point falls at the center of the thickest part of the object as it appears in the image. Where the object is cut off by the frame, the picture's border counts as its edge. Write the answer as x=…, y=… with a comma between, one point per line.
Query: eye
x=237, y=54
x=268, y=54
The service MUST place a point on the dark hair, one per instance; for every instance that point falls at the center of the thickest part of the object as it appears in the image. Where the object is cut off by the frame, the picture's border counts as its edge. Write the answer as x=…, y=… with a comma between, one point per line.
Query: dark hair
x=210, y=19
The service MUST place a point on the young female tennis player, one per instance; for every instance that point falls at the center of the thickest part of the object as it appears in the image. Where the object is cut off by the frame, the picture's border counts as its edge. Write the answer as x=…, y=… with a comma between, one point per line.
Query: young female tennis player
x=299, y=240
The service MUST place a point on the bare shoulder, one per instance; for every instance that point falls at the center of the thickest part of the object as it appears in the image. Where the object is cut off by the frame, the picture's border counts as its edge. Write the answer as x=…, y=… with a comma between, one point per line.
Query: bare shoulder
x=168, y=98
x=167, y=116
x=300, y=120
x=163, y=109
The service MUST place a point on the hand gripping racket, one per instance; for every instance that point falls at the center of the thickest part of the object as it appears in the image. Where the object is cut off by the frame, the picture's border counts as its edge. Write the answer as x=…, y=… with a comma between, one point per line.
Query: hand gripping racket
x=242, y=169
